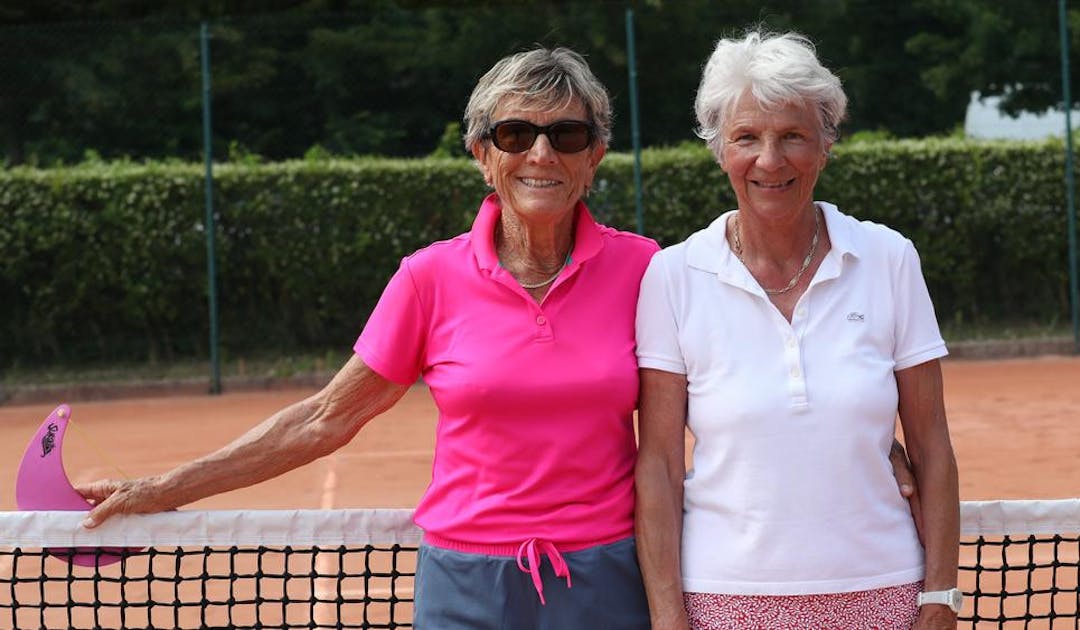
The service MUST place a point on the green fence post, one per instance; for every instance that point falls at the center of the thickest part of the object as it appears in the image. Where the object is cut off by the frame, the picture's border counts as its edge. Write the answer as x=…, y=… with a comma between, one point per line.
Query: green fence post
x=1074, y=299
x=635, y=130
x=211, y=227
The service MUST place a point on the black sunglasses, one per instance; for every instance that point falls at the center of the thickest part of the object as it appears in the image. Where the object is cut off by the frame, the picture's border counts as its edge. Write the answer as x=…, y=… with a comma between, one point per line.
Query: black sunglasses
x=518, y=136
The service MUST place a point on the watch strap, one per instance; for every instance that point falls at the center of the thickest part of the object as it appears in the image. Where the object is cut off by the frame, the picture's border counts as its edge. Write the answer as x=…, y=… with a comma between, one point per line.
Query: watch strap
x=953, y=598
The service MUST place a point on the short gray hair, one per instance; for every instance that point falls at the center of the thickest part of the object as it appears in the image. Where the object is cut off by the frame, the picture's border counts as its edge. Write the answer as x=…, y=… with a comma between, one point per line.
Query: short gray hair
x=546, y=79
x=778, y=70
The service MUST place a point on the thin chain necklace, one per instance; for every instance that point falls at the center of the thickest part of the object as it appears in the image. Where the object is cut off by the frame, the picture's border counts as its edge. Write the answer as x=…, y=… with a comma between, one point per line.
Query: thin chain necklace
x=549, y=280
x=798, y=274
x=544, y=283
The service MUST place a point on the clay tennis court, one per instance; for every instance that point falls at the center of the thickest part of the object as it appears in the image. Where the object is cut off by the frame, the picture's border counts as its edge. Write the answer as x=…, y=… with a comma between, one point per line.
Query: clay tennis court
x=1015, y=427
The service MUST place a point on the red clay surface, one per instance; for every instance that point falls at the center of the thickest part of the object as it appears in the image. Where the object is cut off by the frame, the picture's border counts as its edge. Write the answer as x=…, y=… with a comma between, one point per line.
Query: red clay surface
x=1015, y=427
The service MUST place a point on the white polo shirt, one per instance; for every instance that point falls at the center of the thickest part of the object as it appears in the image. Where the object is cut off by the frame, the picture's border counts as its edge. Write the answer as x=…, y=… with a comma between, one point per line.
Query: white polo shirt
x=791, y=490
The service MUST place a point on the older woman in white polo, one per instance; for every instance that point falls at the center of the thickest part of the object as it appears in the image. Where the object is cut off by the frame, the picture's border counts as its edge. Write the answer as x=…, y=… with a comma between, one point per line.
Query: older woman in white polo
x=788, y=336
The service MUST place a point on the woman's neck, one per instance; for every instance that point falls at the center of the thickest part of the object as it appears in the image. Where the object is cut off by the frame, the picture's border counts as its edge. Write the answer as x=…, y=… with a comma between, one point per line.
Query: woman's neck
x=777, y=241
x=533, y=247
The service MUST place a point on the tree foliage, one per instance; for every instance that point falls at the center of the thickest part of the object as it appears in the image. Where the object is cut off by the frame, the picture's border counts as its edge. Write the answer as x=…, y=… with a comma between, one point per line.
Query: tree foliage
x=354, y=77
x=998, y=48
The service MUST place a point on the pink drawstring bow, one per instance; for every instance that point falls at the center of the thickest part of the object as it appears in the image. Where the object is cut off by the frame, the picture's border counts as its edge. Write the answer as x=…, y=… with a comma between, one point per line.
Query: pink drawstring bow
x=531, y=549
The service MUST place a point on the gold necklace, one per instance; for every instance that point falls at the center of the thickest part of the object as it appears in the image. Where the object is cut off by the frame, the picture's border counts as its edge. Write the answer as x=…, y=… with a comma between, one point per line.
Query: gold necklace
x=805, y=263
x=536, y=285
x=545, y=282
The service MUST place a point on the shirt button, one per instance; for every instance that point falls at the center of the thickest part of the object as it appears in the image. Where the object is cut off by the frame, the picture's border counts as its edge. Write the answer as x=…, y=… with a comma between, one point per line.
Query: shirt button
x=801, y=312
x=795, y=372
x=541, y=320
x=791, y=342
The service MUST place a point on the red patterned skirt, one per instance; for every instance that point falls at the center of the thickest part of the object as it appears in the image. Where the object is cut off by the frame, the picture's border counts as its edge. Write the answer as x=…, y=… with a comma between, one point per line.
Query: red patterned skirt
x=891, y=608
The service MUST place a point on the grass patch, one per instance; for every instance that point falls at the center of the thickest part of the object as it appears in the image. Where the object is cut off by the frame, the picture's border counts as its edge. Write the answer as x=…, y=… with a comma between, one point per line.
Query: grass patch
x=256, y=367
x=998, y=331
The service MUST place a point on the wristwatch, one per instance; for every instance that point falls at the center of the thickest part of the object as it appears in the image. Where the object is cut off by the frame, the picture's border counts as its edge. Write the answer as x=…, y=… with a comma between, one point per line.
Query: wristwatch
x=953, y=598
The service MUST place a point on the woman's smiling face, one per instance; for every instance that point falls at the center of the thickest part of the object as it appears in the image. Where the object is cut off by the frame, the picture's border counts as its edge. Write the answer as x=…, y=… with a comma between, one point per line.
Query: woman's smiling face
x=540, y=181
x=773, y=158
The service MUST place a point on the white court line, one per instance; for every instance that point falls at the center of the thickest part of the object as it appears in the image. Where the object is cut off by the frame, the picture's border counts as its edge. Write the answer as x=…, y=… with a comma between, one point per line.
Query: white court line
x=325, y=564
x=330, y=484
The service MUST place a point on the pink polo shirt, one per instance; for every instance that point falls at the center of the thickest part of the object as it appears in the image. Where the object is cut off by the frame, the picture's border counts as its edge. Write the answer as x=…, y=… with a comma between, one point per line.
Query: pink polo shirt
x=535, y=438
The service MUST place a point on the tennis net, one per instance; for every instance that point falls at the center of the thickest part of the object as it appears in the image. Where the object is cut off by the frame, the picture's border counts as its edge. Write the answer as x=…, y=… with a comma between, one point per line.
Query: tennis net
x=1020, y=568
x=1020, y=564
x=210, y=569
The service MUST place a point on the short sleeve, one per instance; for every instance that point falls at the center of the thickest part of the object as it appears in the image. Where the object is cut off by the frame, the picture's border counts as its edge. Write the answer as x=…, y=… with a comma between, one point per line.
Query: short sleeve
x=918, y=338
x=656, y=325
x=395, y=337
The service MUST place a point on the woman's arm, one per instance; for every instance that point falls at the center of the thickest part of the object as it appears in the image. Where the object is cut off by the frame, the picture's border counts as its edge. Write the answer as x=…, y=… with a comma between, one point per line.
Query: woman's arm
x=661, y=468
x=926, y=435
x=292, y=437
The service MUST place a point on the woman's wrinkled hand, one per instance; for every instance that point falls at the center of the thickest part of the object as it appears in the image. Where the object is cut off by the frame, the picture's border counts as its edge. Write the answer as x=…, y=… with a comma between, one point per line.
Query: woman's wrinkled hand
x=111, y=497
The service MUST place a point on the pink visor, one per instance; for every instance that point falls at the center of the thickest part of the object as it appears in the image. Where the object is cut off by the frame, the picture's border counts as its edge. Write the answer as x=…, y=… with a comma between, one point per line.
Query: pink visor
x=42, y=484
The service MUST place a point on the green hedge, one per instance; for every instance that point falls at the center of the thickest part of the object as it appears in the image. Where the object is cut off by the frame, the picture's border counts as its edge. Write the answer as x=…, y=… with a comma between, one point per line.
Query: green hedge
x=989, y=218
x=107, y=262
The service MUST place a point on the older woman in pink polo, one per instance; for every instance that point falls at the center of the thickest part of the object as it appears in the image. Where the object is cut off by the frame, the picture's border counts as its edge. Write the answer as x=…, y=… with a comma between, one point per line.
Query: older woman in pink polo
x=523, y=329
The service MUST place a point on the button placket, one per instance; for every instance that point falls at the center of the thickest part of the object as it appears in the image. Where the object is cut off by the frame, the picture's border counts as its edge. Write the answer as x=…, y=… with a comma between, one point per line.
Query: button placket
x=541, y=323
x=793, y=353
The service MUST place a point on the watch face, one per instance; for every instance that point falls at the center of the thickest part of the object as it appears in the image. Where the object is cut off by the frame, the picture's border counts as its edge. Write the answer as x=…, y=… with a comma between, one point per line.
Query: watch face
x=956, y=597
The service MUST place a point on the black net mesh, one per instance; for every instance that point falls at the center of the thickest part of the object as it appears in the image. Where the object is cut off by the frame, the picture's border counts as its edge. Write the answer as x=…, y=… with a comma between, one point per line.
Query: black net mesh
x=1021, y=581
x=356, y=568
x=237, y=587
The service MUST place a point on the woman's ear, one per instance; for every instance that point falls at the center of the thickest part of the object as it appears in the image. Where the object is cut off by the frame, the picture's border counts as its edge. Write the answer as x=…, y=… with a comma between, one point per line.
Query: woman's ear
x=597, y=155
x=826, y=153
x=718, y=153
x=479, y=151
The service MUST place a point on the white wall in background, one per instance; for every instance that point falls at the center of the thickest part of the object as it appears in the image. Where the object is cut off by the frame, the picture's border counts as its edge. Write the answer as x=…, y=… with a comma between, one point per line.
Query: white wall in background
x=983, y=120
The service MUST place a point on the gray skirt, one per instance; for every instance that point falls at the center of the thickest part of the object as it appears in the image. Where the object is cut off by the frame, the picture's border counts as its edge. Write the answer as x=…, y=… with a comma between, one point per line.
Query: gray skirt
x=469, y=591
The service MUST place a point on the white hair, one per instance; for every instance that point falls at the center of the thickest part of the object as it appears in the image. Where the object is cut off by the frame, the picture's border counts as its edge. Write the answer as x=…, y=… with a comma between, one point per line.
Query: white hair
x=777, y=70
